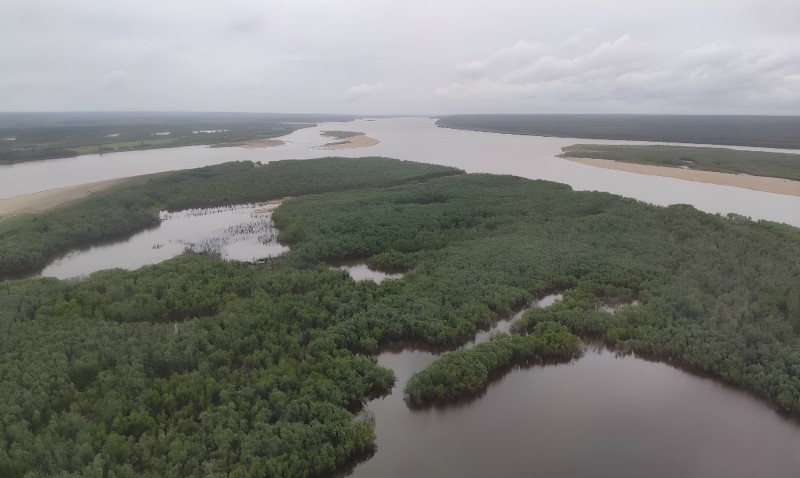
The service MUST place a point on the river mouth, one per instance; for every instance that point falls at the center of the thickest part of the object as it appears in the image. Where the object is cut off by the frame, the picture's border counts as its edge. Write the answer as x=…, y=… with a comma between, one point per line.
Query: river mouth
x=243, y=233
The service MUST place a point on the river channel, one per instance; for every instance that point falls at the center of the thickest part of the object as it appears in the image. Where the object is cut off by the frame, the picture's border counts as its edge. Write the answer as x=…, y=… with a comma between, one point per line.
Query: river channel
x=417, y=139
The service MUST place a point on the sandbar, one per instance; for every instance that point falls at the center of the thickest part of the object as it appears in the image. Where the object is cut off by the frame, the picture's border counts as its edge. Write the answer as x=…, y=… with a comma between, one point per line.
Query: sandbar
x=353, y=142
x=757, y=183
x=43, y=200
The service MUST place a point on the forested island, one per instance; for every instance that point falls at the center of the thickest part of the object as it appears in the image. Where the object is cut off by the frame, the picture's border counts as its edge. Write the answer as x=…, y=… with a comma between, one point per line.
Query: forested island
x=199, y=367
x=722, y=160
x=465, y=372
x=740, y=130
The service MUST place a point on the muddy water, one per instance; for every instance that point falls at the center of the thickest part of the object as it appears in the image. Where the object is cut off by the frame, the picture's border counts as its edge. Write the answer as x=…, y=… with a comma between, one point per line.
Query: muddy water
x=417, y=139
x=242, y=233
x=600, y=416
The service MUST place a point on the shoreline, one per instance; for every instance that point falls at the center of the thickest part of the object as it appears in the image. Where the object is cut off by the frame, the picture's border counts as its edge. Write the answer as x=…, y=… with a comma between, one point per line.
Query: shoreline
x=52, y=198
x=746, y=181
x=353, y=142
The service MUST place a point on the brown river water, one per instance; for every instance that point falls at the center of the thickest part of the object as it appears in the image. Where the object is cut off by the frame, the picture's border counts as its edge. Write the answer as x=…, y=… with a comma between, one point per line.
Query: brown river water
x=416, y=139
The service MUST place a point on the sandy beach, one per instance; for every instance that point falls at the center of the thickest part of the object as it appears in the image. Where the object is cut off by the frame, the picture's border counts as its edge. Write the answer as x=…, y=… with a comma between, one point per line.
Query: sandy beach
x=44, y=200
x=353, y=142
x=757, y=183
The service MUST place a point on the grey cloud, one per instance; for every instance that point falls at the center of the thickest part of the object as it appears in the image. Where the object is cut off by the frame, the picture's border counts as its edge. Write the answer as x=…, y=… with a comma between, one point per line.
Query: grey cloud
x=624, y=71
x=440, y=57
x=357, y=92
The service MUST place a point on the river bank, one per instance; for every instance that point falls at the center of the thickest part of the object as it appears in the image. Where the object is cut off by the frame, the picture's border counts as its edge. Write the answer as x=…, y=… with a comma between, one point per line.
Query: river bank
x=44, y=200
x=746, y=181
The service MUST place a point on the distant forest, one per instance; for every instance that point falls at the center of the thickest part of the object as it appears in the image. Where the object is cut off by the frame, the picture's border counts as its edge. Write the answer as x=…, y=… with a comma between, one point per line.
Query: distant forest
x=38, y=136
x=722, y=160
x=758, y=131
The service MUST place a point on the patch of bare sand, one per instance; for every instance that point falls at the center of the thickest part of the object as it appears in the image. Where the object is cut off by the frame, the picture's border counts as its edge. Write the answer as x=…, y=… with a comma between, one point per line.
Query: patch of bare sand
x=41, y=201
x=353, y=142
x=757, y=183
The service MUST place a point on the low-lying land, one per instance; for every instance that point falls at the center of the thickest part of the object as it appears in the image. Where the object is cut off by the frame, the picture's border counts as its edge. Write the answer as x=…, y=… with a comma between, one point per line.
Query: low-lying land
x=29, y=242
x=348, y=140
x=759, y=131
x=466, y=372
x=253, y=144
x=721, y=160
x=44, y=200
x=198, y=366
x=38, y=136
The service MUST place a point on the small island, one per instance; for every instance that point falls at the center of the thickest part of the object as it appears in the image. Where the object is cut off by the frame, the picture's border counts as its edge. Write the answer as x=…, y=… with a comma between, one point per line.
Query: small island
x=348, y=140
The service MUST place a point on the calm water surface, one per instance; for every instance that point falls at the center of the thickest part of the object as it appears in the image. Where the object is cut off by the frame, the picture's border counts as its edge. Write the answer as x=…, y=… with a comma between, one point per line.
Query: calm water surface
x=418, y=139
x=600, y=416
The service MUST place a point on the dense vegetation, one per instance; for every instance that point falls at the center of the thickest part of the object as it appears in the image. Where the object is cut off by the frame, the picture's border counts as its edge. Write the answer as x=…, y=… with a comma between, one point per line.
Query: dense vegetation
x=756, y=163
x=198, y=367
x=38, y=136
x=715, y=294
x=467, y=371
x=194, y=367
x=28, y=243
x=761, y=131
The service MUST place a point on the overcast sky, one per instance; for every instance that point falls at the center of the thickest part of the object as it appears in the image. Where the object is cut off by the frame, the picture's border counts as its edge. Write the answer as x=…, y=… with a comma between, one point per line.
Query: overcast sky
x=402, y=57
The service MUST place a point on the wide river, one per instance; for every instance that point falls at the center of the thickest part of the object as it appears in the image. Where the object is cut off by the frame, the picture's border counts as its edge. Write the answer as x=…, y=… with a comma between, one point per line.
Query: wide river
x=600, y=416
x=417, y=139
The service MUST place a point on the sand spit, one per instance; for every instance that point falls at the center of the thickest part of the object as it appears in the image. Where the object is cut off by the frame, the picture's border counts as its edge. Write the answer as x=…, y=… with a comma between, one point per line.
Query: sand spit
x=41, y=201
x=353, y=142
x=757, y=183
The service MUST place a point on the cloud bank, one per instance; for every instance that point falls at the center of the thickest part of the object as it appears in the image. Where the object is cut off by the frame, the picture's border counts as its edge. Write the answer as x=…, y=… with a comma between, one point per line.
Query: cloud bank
x=372, y=57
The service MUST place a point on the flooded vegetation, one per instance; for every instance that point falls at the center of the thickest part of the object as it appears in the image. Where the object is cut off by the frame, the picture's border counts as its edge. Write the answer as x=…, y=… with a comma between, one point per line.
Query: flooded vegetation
x=360, y=270
x=505, y=324
x=241, y=233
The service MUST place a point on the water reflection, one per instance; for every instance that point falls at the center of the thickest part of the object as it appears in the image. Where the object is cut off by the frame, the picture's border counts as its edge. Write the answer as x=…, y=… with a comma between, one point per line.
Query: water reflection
x=602, y=415
x=359, y=270
x=242, y=233
x=599, y=416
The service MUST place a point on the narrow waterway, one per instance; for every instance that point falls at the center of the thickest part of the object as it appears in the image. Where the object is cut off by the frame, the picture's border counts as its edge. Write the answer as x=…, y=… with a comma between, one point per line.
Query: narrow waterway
x=600, y=416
